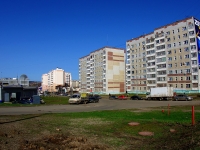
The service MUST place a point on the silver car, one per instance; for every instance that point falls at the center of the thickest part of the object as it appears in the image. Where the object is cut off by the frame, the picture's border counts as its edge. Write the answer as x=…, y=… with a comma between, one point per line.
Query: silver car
x=182, y=97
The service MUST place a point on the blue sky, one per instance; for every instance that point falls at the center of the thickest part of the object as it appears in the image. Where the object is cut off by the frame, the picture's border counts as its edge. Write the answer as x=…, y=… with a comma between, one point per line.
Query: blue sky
x=37, y=36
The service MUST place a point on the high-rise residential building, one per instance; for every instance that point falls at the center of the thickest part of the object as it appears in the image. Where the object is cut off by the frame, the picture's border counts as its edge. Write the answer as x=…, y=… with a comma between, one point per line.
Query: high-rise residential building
x=103, y=71
x=55, y=78
x=168, y=56
x=45, y=82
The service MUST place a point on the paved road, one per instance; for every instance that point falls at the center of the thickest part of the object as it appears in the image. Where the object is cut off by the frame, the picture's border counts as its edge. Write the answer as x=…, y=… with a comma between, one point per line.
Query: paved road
x=102, y=105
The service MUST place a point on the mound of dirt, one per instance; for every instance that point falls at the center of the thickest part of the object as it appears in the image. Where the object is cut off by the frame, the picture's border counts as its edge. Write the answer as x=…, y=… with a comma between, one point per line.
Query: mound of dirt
x=61, y=142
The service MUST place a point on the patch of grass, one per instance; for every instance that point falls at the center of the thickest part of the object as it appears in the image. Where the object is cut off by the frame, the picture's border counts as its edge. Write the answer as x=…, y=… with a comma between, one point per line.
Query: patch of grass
x=49, y=100
x=111, y=127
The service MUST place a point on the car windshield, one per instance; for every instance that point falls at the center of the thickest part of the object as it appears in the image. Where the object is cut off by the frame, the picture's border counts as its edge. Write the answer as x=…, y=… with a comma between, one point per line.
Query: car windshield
x=75, y=96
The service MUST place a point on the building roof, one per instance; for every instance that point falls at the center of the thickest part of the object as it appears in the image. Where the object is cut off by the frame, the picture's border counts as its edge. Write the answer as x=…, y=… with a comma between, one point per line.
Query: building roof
x=165, y=26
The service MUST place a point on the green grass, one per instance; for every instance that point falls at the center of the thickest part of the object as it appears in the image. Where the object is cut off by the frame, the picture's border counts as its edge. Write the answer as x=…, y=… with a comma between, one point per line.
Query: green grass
x=55, y=100
x=49, y=100
x=111, y=127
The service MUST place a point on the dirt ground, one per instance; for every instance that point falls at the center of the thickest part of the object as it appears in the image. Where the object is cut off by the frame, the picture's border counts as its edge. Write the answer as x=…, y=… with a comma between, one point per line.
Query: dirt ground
x=15, y=135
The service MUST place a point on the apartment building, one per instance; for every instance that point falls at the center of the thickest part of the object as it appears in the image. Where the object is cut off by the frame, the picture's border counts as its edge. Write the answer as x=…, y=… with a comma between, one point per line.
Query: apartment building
x=103, y=71
x=168, y=56
x=54, y=78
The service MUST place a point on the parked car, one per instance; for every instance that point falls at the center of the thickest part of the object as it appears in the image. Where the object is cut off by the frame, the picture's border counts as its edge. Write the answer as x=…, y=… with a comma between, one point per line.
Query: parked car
x=112, y=97
x=93, y=98
x=75, y=99
x=182, y=97
x=135, y=97
x=122, y=97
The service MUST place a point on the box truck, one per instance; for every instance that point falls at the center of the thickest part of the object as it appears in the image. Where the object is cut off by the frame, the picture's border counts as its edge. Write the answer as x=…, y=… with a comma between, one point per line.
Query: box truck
x=161, y=93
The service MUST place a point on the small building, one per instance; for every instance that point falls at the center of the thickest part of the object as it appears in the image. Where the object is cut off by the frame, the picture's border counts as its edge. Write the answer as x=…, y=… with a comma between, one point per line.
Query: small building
x=16, y=92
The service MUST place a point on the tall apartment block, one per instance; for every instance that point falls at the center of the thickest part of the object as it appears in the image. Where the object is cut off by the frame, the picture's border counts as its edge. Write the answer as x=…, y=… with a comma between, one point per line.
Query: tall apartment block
x=57, y=77
x=169, y=56
x=103, y=71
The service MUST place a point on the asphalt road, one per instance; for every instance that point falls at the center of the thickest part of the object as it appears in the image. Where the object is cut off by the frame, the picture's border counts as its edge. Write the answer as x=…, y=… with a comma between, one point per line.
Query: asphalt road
x=102, y=105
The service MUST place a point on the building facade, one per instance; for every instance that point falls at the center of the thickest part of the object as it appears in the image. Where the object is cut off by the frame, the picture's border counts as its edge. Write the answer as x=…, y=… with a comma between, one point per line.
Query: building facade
x=22, y=80
x=55, y=78
x=103, y=71
x=169, y=56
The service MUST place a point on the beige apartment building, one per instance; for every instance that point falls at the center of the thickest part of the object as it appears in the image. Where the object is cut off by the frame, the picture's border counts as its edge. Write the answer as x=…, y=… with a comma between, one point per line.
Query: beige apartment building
x=54, y=78
x=103, y=71
x=169, y=56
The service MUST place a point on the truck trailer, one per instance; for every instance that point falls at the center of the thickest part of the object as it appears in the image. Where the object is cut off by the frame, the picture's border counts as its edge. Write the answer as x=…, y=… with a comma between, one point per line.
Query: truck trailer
x=161, y=93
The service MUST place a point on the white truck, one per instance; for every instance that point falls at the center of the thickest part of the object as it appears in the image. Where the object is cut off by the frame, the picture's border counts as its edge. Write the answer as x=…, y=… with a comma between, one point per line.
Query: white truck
x=161, y=93
x=79, y=98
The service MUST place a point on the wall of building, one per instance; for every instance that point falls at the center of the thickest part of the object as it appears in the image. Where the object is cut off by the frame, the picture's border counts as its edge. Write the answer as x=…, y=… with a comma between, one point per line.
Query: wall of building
x=166, y=57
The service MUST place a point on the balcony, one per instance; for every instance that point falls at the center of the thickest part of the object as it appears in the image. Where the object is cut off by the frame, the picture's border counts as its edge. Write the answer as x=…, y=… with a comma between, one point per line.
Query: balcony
x=194, y=81
x=151, y=84
x=161, y=81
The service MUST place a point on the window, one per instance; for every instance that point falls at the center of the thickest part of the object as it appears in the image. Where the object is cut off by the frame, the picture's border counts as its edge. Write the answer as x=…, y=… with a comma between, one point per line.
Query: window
x=193, y=47
x=180, y=50
x=185, y=42
x=191, y=33
x=187, y=56
x=184, y=28
x=173, y=31
x=195, y=77
x=169, y=58
x=185, y=35
x=181, y=85
x=169, y=52
x=170, y=79
x=188, y=78
x=194, y=62
x=177, y=30
x=179, y=43
x=187, y=63
x=169, y=65
x=168, y=45
x=193, y=55
x=174, y=57
x=179, y=36
x=170, y=72
x=186, y=49
x=174, y=51
x=192, y=40
x=174, y=44
x=187, y=85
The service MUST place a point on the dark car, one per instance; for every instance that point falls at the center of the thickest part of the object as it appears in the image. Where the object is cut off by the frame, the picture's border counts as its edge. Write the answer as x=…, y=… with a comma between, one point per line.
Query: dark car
x=112, y=97
x=135, y=97
x=182, y=97
x=93, y=98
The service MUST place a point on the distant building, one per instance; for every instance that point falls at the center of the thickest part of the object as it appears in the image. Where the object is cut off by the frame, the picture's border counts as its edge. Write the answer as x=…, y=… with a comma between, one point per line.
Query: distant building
x=103, y=71
x=55, y=78
x=23, y=80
